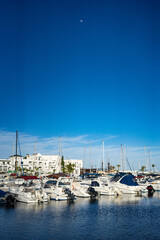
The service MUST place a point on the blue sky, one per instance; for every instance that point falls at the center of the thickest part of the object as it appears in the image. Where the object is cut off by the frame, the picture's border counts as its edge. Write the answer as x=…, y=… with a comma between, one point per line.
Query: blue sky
x=64, y=77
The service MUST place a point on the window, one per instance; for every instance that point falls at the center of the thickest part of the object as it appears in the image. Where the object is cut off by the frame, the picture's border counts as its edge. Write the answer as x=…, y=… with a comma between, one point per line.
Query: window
x=5, y=168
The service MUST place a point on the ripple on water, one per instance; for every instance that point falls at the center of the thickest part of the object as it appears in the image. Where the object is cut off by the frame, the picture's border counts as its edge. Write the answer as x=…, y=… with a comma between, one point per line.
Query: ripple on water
x=126, y=217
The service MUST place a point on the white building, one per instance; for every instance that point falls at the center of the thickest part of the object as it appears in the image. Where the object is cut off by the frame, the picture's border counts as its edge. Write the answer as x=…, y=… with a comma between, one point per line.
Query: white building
x=78, y=165
x=4, y=165
x=12, y=160
x=44, y=164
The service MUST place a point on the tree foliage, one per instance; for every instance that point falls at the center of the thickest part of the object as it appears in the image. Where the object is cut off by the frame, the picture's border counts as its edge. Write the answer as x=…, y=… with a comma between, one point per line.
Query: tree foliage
x=118, y=166
x=70, y=167
x=143, y=168
x=62, y=164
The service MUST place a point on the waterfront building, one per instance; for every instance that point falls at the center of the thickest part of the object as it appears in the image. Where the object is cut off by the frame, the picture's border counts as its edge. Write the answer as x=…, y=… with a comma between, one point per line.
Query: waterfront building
x=38, y=163
x=46, y=164
x=5, y=165
x=43, y=164
x=78, y=165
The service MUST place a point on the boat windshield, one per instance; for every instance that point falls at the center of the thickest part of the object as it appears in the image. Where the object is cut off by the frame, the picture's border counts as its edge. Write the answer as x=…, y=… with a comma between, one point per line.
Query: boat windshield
x=50, y=183
x=63, y=183
x=117, y=176
x=94, y=184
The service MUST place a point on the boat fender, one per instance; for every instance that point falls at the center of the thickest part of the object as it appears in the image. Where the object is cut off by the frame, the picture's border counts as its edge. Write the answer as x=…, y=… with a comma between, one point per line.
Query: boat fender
x=73, y=187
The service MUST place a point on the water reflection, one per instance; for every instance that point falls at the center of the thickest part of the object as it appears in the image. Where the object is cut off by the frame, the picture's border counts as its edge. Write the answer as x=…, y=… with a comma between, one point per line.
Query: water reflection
x=120, y=200
x=60, y=206
x=127, y=199
x=107, y=217
x=156, y=194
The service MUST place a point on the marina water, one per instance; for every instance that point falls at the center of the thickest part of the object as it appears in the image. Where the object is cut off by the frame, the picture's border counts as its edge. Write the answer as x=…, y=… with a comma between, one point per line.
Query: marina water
x=123, y=217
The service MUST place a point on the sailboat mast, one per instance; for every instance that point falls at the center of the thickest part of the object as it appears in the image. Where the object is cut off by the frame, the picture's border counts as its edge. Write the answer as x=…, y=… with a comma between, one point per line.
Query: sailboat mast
x=84, y=164
x=16, y=162
x=122, y=167
x=149, y=161
x=60, y=153
x=35, y=147
x=125, y=158
x=13, y=147
x=145, y=158
x=90, y=156
x=103, y=155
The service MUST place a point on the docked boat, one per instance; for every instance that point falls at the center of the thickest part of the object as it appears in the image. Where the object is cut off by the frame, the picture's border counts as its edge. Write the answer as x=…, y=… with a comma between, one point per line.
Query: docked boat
x=7, y=198
x=127, y=184
x=103, y=188
x=59, y=189
x=79, y=190
x=24, y=194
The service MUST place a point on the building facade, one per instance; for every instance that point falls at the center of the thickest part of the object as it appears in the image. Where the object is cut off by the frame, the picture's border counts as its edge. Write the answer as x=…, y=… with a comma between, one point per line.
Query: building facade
x=38, y=163
x=78, y=166
x=5, y=165
x=43, y=164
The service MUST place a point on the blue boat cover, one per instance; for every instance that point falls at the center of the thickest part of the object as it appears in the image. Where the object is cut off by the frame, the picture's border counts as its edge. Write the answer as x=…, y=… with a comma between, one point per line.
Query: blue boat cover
x=129, y=180
x=2, y=193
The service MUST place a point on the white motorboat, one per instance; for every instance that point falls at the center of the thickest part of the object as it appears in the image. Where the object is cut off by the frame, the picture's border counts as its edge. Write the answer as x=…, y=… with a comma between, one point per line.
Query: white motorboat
x=127, y=184
x=24, y=194
x=59, y=189
x=100, y=184
x=42, y=196
x=104, y=188
x=79, y=190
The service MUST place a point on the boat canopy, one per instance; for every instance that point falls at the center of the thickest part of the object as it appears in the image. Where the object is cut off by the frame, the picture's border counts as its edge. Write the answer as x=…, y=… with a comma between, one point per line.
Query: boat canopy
x=129, y=180
x=2, y=193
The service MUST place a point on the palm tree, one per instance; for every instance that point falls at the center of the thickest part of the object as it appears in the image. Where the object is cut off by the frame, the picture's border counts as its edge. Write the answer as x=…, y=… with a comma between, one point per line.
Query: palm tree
x=70, y=167
x=118, y=167
x=143, y=168
x=153, y=166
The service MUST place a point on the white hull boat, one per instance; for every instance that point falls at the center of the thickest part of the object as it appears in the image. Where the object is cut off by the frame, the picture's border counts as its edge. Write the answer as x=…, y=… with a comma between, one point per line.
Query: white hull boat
x=127, y=184
x=24, y=195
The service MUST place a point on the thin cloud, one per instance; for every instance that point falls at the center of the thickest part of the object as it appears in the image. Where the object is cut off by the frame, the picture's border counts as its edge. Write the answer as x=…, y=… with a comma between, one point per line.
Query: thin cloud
x=85, y=147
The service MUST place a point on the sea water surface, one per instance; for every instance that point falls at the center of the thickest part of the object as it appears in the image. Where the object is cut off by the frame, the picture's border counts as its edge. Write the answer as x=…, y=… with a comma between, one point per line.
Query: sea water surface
x=124, y=217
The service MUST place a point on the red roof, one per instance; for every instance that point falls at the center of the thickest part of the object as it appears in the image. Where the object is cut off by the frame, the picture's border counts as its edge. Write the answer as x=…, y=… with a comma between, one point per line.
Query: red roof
x=28, y=177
